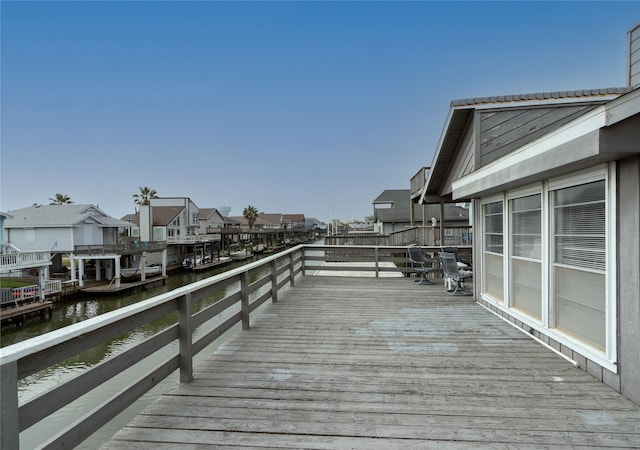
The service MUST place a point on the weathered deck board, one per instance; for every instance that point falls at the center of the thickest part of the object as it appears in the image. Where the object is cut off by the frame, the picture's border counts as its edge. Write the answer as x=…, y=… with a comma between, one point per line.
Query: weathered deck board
x=383, y=363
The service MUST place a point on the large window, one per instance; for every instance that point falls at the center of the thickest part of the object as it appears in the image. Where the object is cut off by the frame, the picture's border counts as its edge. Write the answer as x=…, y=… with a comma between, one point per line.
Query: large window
x=493, y=250
x=526, y=246
x=579, y=224
x=552, y=268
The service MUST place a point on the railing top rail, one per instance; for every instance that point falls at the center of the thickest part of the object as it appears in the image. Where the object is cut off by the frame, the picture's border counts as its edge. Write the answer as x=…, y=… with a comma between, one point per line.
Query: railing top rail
x=37, y=344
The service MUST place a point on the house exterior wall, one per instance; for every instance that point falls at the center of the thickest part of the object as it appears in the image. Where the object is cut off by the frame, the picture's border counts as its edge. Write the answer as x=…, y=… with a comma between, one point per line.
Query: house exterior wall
x=629, y=276
x=109, y=236
x=214, y=221
x=146, y=223
x=38, y=239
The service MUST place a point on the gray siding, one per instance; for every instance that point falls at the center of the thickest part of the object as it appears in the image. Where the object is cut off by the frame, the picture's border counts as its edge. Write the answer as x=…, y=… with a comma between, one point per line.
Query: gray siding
x=629, y=276
x=634, y=57
x=503, y=131
x=463, y=161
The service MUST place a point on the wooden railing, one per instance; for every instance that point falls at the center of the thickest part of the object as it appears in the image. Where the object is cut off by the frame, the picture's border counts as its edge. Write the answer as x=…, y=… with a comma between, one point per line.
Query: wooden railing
x=243, y=290
x=120, y=249
x=423, y=236
x=20, y=260
x=193, y=239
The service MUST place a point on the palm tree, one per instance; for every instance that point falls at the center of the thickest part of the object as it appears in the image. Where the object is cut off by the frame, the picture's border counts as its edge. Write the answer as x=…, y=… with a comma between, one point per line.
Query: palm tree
x=60, y=199
x=144, y=196
x=251, y=214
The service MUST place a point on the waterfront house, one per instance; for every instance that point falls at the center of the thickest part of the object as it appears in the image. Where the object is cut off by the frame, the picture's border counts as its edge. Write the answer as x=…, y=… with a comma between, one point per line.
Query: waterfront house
x=211, y=221
x=264, y=222
x=392, y=212
x=292, y=221
x=554, y=181
x=176, y=221
x=61, y=228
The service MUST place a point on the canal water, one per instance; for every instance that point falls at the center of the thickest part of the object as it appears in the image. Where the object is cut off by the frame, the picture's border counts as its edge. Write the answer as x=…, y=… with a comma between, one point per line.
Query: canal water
x=69, y=312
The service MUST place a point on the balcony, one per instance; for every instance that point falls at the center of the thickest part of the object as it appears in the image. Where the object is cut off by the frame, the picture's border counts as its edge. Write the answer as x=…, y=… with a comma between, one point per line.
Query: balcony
x=123, y=248
x=317, y=361
x=24, y=260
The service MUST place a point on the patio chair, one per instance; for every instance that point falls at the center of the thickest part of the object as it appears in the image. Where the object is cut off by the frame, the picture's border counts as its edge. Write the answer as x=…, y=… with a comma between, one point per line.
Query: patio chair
x=421, y=265
x=461, y=264
x=451, y=271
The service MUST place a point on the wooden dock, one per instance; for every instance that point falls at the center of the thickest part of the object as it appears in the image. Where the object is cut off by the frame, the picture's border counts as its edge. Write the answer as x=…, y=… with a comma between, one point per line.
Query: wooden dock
x=25, y=309
x=110, y=288
x=362, y=363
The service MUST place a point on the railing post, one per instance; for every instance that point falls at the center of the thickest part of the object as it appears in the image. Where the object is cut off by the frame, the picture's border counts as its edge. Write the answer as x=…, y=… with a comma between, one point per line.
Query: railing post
x=303, y=262
x=274, y=282
x=244, y=292
x=376, y=253
x=292, y=282
x=184, y=338
x=9, y=426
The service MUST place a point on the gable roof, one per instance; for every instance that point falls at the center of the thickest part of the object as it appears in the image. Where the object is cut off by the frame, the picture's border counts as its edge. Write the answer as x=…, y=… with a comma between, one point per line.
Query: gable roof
x=291, y=218
x=205, y=213
x=397, y=197
x=133, y=219
x=59, y=216
x=461, y=112
x=164, y=215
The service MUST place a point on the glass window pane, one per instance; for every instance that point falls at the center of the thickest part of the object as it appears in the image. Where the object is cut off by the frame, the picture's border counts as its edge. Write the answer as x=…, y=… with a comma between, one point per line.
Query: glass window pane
x=493, y=243
x=579, y=226
x=493, y=276
x=527, y=287
x=580, y=304
x=493, y=228
x=526, y=226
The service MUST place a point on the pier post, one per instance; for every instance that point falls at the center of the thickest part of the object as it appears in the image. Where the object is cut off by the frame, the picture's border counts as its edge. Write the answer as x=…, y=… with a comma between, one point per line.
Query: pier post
x=9, y=425
x=292, y=282
x=376, y=253
x=184, y=338
x=244, y=293
x=274, y=282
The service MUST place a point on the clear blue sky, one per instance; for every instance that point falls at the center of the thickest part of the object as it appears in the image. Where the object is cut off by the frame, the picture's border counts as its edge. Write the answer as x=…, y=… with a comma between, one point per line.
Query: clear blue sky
x=292, y=107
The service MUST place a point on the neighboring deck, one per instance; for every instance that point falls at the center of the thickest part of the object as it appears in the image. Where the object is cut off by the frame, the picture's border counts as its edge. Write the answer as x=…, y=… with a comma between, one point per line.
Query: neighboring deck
x=361, y=363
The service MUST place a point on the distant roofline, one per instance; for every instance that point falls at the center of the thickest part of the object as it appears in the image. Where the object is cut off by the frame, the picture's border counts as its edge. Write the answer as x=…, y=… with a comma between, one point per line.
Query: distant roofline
x=587, y=94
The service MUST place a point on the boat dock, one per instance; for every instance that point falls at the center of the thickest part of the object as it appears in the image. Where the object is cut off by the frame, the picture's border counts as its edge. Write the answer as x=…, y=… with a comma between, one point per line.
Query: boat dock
x=110, y=288
x=19, y=312
x=352, y=362
x=211, y=265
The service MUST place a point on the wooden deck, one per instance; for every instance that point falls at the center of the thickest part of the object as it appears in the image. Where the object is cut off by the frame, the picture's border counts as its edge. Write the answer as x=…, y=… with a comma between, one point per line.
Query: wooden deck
x=361, y=363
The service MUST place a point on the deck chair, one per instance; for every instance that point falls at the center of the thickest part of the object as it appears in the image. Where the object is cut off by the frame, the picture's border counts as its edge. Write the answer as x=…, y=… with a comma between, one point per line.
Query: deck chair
x=461, y=264
x=456, y=275
x=421, y=265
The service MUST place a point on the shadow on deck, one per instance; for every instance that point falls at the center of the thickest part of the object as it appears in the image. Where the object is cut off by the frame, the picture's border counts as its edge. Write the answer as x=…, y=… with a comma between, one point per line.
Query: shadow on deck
x=345, y=363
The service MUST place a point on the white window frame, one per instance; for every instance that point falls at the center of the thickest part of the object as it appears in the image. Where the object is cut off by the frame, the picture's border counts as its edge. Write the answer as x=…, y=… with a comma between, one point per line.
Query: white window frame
x=607, y=172
x=505, y=287
x=534, y=189
x=608, y=359
x=158, y=232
